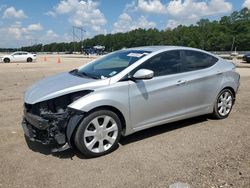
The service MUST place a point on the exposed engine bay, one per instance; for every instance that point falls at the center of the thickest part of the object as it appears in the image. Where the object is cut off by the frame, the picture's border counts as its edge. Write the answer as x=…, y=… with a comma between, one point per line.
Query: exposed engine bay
x=47, y=121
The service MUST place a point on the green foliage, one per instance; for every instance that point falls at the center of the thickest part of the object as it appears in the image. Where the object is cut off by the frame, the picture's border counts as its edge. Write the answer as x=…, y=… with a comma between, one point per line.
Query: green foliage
x=206, y=34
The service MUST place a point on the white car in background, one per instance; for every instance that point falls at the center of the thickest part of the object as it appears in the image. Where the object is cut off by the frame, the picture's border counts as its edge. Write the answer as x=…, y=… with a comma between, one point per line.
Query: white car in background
x=19, y=56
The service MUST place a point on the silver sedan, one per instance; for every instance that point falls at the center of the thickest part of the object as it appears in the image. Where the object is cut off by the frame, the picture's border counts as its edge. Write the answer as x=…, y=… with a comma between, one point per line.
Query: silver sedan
x=127, y=91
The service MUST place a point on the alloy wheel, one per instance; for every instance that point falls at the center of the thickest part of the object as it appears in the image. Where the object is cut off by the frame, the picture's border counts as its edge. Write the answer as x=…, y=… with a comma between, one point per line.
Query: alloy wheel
x=100, y=134
x=225, y=103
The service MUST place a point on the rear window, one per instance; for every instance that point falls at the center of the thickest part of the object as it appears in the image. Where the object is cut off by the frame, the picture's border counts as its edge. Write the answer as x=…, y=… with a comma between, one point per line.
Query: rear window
x=194, y=60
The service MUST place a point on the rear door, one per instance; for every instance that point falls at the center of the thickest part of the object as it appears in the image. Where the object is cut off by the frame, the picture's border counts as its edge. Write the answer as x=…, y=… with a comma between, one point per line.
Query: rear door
x=202, y=79
x=24, y=56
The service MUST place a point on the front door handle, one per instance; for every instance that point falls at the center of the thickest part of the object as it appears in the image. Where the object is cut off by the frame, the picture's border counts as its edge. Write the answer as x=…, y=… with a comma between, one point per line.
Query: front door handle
x=181, y=82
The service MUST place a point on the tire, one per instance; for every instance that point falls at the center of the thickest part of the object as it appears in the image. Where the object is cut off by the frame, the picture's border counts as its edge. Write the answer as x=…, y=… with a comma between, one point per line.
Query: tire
x=29, y=60
x=223, y=104
x=6, y=60
x=98, y=134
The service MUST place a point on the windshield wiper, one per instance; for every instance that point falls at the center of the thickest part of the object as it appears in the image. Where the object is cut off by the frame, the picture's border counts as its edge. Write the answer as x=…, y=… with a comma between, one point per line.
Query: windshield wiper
x=88, y=75
x=83, y=74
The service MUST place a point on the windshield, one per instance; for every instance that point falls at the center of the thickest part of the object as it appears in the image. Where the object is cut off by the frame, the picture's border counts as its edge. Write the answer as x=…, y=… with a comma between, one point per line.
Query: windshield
x=110, y=65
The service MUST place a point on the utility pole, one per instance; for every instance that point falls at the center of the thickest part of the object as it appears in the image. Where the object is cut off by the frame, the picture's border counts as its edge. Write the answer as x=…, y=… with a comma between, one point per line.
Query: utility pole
x=75, y=36
x=232, y=47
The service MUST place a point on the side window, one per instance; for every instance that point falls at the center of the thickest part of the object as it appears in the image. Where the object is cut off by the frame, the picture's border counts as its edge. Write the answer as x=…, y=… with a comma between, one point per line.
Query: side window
x=164, y=64
x=194, y=60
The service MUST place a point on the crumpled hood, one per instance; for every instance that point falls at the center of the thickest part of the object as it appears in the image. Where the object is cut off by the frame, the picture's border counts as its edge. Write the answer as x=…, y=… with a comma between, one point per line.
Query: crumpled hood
x=58, y=85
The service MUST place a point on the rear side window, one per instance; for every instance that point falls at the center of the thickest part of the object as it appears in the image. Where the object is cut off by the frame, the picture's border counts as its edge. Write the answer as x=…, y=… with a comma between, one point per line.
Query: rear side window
x=194, y=60
x=163, y=64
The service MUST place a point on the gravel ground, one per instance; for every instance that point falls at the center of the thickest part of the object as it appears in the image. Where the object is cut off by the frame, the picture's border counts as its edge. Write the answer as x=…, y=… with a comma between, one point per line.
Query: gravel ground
x=199, y=151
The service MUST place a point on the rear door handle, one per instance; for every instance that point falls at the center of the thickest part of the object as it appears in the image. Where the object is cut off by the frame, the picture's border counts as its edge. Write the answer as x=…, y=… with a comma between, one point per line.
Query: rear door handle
x=181, y=82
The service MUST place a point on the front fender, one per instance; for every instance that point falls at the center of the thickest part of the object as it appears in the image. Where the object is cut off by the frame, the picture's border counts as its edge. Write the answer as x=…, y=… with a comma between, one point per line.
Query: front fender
x=9, y=57
x=114, y=96
x=95, y=100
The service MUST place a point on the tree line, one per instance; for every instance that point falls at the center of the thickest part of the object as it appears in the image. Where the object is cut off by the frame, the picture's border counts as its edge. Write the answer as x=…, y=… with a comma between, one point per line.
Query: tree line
x=208, y=35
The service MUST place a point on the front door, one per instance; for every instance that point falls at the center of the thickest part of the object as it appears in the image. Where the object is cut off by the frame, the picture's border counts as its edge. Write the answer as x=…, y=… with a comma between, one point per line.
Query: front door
x=160, y=98
x=17, y=56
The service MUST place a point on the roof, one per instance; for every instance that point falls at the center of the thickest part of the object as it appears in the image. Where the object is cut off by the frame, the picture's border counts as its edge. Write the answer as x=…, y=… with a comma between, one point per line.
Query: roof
x=157, y=48
x=20, y=52
x=162, y=48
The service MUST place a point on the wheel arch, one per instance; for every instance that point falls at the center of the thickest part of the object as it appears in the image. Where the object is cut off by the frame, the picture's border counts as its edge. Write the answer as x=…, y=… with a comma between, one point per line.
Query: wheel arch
x=116, y=111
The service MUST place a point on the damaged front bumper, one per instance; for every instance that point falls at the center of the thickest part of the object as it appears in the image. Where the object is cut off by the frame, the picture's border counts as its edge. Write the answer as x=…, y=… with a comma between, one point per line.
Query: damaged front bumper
x=52, y=121
x=51, y=128
x=46, y=128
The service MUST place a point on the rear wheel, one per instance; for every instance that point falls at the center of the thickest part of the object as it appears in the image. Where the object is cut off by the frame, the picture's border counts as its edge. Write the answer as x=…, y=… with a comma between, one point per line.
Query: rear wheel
x=223, y=104
x=29, y=59
x=6, y=60
x=98, y=133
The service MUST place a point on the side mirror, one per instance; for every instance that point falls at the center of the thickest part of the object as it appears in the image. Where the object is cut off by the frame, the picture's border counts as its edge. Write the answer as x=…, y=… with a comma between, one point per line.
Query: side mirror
x=143, y=74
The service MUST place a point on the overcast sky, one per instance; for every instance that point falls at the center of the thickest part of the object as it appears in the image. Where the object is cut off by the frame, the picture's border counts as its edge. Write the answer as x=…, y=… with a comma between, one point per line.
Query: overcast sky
x=26, y=22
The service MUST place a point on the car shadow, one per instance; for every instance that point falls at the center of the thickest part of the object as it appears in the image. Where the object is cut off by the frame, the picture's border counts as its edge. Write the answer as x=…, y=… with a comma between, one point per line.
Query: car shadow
x=17, y=63
x=141, y=135
x=47, y=149
x=147, y=133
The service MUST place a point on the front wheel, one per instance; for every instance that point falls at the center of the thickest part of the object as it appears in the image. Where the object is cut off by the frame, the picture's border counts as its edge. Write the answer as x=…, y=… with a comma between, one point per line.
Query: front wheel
x=223, y=104
x=6, y=60
x=98, y=133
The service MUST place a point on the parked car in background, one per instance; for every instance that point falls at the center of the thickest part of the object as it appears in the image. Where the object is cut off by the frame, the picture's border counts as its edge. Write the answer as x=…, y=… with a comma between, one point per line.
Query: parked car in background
x=19, y=56
x=246, y=57
x=125, y=92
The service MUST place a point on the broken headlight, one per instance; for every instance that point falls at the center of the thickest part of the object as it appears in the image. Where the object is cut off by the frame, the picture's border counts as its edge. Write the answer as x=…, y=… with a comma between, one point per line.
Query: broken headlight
x=56, y=105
